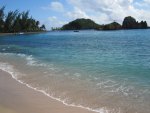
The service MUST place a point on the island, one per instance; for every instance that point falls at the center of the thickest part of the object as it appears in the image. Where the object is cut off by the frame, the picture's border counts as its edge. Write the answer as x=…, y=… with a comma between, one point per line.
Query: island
x=84, y=24
x=81, y=24
x=112, y=26
x=131, y=23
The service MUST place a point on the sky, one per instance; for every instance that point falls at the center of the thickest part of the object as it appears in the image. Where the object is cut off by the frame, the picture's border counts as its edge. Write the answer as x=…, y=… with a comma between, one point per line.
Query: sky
x=55, y=13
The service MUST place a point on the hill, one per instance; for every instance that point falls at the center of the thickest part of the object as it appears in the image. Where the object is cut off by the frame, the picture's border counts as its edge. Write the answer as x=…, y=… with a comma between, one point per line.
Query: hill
x=131, y=23
x=81, y=24
x=112, y=26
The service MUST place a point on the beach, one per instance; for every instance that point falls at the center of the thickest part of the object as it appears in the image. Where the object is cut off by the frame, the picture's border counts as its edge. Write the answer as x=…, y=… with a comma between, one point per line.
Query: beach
x=18, y=98
x=65, y=56
x=67, y=72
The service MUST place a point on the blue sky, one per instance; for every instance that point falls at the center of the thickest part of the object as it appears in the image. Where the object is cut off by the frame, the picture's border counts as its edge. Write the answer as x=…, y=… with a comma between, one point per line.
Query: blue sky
x=55, y=13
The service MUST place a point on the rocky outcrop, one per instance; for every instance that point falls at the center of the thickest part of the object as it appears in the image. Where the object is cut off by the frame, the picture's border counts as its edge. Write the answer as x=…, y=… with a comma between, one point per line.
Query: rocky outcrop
x=131, y=23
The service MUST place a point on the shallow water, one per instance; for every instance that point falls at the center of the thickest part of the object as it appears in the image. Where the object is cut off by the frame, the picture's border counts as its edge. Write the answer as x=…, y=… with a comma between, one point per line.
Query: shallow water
x=105, y=71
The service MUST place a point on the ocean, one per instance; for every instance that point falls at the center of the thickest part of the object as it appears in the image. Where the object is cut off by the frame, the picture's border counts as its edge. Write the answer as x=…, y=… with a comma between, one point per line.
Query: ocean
x=102, y=71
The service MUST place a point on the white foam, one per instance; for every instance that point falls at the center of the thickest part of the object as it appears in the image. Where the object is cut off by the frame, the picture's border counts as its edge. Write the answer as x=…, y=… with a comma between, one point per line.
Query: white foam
x=77, y=74
x=31, y=61
x=14, y=73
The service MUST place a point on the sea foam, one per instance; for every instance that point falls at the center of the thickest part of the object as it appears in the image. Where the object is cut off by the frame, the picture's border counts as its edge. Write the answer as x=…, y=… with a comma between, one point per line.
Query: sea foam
x=15, y=75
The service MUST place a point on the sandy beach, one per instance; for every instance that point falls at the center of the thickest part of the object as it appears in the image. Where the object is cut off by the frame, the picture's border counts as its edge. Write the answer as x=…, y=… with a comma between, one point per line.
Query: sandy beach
x=18, y=98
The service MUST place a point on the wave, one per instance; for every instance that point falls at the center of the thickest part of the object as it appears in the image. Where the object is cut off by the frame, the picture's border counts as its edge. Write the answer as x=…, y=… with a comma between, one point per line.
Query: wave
x=107, y=86
x=33, y=62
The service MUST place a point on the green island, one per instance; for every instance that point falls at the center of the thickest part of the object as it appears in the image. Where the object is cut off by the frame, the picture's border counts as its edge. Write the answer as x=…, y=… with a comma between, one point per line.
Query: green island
x=80, y=24
x=16, y=22
x=83, y=24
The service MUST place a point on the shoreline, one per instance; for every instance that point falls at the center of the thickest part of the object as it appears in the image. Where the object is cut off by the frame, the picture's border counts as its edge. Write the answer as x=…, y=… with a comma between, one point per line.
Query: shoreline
x=23, y=33
x=26, y=33
x=16, y=94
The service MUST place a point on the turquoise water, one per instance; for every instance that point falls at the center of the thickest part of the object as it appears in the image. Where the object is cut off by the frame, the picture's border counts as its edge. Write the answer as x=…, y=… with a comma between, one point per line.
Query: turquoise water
x=105, y=71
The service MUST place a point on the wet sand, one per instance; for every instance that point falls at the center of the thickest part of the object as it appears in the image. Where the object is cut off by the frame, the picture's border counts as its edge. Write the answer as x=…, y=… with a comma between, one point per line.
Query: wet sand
x=18, y=98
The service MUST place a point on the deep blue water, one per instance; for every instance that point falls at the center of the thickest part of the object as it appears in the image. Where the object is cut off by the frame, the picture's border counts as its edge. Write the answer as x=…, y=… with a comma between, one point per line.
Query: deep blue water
x=106, y=58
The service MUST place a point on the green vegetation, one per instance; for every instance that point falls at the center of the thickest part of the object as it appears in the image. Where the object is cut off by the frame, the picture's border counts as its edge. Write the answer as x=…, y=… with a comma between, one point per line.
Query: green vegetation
x=83, y=24
x=14, y=22
x=80, y=24
x=112, y=26
x=131, y=23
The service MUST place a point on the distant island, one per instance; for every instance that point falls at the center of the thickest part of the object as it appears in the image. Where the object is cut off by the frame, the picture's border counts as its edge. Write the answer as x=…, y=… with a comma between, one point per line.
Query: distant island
x=80, y=24
x=83, y=24
x=131, y=23
x=16, y=22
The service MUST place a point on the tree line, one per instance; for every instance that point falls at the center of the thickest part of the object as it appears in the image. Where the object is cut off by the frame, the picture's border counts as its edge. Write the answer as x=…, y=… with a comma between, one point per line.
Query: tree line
x=15, y=21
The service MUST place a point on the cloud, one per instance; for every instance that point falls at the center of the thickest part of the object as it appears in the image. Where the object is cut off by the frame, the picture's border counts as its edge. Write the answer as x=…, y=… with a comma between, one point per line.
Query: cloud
x=101, y=11
x=77, y=13
x=53, y=21
x=104, y=11
x=143, y=4
x=147, y=1
x=55, y=6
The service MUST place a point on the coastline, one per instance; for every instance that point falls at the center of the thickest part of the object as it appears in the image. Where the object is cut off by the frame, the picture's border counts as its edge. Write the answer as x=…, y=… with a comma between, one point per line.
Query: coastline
x=5, y=34
x=18, y=98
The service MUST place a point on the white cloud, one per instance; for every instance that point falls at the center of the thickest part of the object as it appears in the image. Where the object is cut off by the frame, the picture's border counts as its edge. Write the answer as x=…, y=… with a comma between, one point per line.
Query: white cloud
x=101, y=11
x=104, y=11
x=147, y=1
x=77, y=13
x=55, y=6
x=54, y=22
x=143, y=4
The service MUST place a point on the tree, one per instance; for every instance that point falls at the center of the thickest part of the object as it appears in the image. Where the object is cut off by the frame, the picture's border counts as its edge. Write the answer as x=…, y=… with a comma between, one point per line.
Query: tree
x=9, y=22
x=2, y=18
x=43, y=27
x=24, y=21
x=17, y=25
x=18, y=22
x=37, y=23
